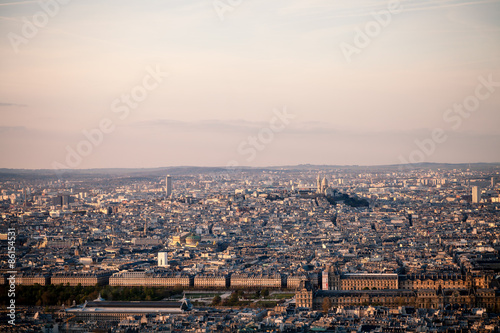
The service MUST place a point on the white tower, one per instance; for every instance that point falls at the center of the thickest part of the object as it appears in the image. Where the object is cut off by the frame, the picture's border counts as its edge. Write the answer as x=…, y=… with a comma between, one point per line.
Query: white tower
x=162, y=259
x=168, y=185
x=476, y=194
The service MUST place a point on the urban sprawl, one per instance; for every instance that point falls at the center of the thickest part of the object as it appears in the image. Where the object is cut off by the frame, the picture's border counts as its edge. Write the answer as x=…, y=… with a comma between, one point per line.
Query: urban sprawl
x=297, y=249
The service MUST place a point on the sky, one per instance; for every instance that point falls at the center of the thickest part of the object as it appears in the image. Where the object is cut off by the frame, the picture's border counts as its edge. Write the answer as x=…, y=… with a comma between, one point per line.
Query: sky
x=122, y=83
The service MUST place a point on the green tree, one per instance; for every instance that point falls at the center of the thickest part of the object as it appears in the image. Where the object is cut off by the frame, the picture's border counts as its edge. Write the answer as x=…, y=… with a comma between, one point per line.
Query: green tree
x=233, y=299
x=216, y=300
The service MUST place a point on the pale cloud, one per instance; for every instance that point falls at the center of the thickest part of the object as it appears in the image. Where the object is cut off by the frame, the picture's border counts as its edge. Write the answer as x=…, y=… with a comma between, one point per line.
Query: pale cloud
x=13, y=104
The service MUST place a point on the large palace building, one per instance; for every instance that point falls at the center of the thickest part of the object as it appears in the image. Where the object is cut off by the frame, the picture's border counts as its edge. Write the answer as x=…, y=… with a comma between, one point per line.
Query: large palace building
x=28, y=279
x=391, y=290
x=368, y=281
x=333, y=280
x=211, y=281
x=84, y=279
x=165, y=279
x=247, y=280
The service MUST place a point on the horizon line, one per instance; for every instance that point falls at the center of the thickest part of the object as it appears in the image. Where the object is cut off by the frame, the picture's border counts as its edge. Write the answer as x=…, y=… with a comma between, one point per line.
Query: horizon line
x=254, y=167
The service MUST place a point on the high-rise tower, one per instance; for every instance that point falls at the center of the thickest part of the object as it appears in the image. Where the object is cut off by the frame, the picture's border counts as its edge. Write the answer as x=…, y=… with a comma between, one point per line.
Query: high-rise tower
x=168, y=185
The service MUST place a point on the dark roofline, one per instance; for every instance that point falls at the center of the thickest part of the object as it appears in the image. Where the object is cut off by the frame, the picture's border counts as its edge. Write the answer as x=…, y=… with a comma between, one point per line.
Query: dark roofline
x=132, y=304
x=382, y=292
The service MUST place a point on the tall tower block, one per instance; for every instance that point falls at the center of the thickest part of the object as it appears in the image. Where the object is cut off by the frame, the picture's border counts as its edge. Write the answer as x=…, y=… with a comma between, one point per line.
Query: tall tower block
x=168, y=185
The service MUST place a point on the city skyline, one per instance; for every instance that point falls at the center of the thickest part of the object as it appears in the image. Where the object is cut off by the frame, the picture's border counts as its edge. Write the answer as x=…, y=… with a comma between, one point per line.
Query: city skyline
x=364, y=83
x=330, y=247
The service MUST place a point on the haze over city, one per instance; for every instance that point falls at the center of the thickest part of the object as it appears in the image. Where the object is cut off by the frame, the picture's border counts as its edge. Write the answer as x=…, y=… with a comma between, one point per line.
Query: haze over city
x=230, y=69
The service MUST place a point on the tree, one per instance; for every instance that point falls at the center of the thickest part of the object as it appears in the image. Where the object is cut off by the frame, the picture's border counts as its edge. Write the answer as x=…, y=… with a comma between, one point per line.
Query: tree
x=327, y=304
x=47, y=298
x=178, y=290
x=265, y=292
x=216, y=300
x=233, y=299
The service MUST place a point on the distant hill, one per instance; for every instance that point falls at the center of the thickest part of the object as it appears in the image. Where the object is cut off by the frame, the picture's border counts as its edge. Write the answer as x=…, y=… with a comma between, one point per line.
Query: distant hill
x=190, y=170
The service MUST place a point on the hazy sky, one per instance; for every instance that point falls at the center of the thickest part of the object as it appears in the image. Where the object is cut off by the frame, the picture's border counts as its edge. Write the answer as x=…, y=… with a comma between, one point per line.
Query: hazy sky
x=231, y=66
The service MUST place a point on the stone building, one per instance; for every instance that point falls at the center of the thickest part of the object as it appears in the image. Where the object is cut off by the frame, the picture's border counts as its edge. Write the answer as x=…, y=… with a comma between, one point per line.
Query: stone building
x=368, y=281
x=211, y=281
x=249, y=280
x=84, y=279
x=149, y=279
x=306, y=297
x=27, y=279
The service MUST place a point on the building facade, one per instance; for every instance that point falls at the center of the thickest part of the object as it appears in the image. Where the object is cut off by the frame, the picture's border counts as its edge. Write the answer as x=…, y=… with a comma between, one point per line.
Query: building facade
x=84, y=279
x=256, y=281
x=424, y=298
x=151, y=279
x=211, y=281
x=32, y=279
x=368, y=281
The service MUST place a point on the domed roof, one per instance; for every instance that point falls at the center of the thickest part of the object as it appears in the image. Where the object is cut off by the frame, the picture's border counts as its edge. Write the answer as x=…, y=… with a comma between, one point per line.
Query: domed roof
x=193, y=237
